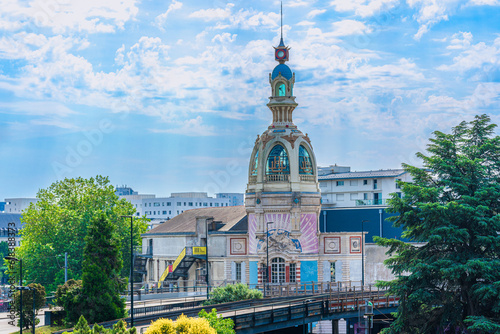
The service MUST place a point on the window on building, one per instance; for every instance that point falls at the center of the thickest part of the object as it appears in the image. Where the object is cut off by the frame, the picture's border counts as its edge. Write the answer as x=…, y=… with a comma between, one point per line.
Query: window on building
x=365, y=182
x=238, y=271
x=256, y=163
x=190, y=203
x=332, y=271
x=340, y=183
x=365, y=196
x=375, y=184
x=205, y=204
x=277, y=161
x=353, y=182
x=169, y=204
x=179, y=203
x=397, y=184
x=399, y=194
x=156, y=204
x=164, y=212
x=216, y=204
x=354, y=197
x=281, y=89
x=154, y=212
x=184, y=203
x=169, y=212
x=293, y=273
x=162, y=203
x=340, y=197
x=278, y=270
x=177, y=211
x=305, y=162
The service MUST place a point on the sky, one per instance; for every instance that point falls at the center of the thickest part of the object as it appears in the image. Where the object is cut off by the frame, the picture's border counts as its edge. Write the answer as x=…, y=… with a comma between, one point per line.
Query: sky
x=169, y=96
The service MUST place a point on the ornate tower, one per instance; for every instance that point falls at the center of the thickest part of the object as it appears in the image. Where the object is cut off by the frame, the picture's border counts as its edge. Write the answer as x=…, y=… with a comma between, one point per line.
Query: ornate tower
x=282, y=194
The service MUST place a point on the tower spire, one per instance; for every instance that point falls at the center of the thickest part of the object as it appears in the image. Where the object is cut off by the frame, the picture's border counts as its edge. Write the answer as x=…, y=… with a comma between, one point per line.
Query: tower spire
x=281, y=22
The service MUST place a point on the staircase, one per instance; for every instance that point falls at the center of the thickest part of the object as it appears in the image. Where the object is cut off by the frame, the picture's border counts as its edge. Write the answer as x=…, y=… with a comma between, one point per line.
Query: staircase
x=184, y=261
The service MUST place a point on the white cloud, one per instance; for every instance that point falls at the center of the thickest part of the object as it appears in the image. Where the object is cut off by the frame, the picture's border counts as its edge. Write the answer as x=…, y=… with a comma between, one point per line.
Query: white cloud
x=473, y=56
x=484, y=3
x=430, y=12
x=162, y=18
x=315, y=12
x=363, y=8
x=305, y=23
x=213, y=14
x=460, y=41
x=350, y=27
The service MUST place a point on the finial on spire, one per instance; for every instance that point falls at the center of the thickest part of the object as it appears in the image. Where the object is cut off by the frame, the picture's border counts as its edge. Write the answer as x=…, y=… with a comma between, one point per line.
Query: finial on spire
x=282, y=20
x=281, y=51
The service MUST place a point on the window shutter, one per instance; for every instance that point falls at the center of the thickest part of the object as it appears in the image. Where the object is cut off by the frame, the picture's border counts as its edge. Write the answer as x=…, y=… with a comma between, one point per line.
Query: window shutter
x=338, y=271
x=326, y=271
x=233, y=270
x=243, y=273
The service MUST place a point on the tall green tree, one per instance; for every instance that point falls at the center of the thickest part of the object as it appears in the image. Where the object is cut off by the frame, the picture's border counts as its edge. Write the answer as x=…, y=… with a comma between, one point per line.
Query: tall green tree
x=101, y=282
x=451, y=281
x=58, y=223
x=27, y=312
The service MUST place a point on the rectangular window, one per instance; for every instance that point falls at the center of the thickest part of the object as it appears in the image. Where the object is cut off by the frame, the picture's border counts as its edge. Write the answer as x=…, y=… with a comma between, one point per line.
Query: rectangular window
x=177, y=211
x=169, y=212
x=353, y=182
x=397, y=184
x=154, y=212
x=210, y=203
x=205, y=204
x=293, y=273
x=190, y=203
x=340, y=197
x=365, y=196
x=340, y=183
x=375, y=184
x=162, y=203
x=164, y=212
x=365, y=182
x=354, y=197
x=169, y=204
x=179, y=203
x=156, y=204
x=238, y=271
x=216, y=204
x=184, y=203
x=332, y=271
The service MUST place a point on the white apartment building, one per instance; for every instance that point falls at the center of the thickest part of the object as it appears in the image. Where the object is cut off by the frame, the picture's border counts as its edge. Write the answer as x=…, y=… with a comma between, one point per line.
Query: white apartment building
x=341, y=188
x=17, y=205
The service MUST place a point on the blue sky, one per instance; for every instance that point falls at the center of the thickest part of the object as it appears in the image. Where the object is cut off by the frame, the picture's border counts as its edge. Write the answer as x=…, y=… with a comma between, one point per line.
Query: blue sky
x=169, y=96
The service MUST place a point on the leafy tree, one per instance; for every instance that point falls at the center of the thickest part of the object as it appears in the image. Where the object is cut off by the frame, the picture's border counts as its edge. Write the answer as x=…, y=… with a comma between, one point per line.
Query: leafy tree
x=68, y=297
x=27, y=312
x=82, y=327
x=58, y=223
x=4, y=251
x=220, y=324
x=450, y=282
x=232, y=293
x=101, y=282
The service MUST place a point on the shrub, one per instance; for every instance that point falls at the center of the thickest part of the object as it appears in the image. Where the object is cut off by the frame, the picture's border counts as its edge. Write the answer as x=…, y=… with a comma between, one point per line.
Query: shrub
x=232, y=293
x=221, y=325
x=183, y=325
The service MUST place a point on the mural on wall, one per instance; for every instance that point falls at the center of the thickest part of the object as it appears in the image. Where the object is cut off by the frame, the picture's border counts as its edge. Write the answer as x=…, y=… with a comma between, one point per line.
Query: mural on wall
x=280, y=238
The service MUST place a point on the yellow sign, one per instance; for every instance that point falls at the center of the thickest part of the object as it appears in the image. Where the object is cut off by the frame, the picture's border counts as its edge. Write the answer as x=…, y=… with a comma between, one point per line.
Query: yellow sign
x=199, y=250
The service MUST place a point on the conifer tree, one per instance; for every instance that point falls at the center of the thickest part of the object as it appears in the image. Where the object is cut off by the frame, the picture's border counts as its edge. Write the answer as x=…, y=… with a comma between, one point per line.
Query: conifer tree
x=450, y=282
x=101, y=283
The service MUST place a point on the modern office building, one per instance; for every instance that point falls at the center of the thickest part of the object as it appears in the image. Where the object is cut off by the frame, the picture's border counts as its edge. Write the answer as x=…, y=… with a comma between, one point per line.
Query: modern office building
x=17, y=205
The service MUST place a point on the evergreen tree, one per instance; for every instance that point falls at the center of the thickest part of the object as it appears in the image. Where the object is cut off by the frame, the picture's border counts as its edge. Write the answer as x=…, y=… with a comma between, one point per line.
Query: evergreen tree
x=27, y=311
x=450, y=282
x=101, y=283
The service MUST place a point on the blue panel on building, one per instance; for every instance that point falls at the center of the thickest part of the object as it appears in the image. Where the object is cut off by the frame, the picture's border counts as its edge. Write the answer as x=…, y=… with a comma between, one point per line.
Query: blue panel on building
x=349, y=220
x=254, y=274
x=308, y=271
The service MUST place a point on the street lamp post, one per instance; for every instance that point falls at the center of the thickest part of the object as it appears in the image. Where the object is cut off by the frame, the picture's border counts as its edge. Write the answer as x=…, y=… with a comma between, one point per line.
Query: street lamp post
x=206, y=255
x=267, y=256
x=131, y=270
x=363, y=253
x=11, y=258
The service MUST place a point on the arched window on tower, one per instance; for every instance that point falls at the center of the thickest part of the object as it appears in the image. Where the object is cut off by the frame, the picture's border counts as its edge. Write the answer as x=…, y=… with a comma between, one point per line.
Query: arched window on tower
x=305, y=162
x=277, y=161
x=280, y=89
x=256, y=162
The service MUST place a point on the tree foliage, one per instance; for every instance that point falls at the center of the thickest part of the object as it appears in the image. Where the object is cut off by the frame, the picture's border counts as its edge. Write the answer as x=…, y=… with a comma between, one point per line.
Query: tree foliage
x=58, y=223
x=27, y=312
x=100, y=299
x=68, y=297
x=220, y=324
x=450, y=282
x=232, y=293
x=82, y=327
x=183, y=325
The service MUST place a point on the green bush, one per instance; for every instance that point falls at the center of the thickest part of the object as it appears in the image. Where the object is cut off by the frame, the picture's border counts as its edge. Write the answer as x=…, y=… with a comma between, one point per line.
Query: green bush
x=82, y=327
x=221, y=325
x=183, y=325
x=232, y=293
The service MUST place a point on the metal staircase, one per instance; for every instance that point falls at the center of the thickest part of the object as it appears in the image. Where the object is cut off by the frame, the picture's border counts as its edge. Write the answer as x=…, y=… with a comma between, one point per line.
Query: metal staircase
x=184, y=261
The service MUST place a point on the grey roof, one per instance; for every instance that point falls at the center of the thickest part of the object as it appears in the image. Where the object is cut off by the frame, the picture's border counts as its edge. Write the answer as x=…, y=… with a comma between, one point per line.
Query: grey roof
x=6, y=218
x=231, y=216
x=364, y=175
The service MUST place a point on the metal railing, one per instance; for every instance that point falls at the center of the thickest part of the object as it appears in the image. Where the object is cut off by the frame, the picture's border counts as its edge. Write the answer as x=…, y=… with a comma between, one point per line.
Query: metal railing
x=362, y=202
x=307, y=178
x=277, y=178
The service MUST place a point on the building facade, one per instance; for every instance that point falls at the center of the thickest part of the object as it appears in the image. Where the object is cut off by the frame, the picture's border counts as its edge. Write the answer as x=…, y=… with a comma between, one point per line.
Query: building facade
x=17, y=205
x=276, y=236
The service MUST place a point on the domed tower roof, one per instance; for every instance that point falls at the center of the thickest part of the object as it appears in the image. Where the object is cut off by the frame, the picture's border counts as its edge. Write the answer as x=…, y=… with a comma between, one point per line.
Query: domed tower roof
x=282, y=69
